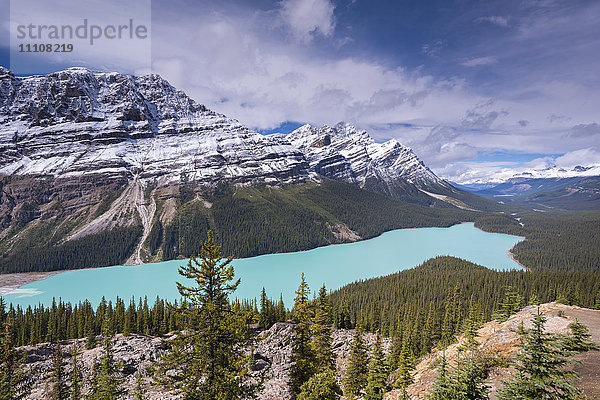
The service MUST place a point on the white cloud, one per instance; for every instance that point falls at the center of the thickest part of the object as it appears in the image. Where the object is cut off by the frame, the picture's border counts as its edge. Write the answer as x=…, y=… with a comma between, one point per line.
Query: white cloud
x=431, y=49
x=585, y=130
x=305, y=18
x=479, y=61
x=584, y=157
x=261, y=67
x=494, y=19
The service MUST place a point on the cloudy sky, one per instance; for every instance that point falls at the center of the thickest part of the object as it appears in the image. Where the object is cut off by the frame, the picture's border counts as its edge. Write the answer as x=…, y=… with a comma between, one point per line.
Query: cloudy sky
x=475, y=87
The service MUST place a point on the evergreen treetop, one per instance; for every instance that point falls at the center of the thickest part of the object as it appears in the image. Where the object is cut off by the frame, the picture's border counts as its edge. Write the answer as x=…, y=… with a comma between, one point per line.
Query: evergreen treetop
x=207, y=356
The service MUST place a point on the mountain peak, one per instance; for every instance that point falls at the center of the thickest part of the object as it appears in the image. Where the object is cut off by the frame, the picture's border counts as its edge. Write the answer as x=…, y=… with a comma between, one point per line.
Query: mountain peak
x=345, y=153
x=78, y=122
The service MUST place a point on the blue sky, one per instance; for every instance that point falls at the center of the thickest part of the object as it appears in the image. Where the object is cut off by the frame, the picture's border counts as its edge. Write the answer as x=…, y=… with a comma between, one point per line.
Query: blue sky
x=478, y=88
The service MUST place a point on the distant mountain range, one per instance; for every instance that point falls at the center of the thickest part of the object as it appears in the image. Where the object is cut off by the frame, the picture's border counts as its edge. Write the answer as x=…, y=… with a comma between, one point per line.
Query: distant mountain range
x=92, y=159
x=556, y=193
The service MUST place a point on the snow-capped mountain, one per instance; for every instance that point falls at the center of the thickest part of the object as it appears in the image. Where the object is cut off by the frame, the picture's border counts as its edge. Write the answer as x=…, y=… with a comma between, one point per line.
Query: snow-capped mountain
x=550, y=172
x=346, y=154
x=78, y=122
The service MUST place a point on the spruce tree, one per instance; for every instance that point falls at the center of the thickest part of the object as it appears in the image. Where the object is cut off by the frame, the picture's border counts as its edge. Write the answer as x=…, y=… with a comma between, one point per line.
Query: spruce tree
x=512, y=303
x=281, y=309
x=321, y=331
x=378, y=373
x=471, y=324
x=75, y=374
x=428, y=335
x=59, y=389
x=578, y=339
x=14, y=384
x=442, y=387
x=108, y=381
x=356, y=375
x=302, y=357
x=395, y=350
x=207, y=357
x=541, y=372
x=467, y=379
x=320, y=386
x=263, y=321
x=406, y=364
x=138, y=392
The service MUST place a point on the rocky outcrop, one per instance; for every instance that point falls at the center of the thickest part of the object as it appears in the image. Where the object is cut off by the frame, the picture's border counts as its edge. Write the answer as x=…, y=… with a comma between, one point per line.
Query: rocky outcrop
x=137, y=352
x=273, y=348
x=501, y=340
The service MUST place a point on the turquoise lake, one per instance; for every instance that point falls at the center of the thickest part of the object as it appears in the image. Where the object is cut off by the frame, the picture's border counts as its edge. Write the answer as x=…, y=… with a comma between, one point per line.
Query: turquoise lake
x=334, y=265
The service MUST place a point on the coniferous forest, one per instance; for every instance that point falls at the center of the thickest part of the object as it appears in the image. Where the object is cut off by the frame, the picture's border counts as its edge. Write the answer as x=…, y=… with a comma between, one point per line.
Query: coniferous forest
x=419, y=310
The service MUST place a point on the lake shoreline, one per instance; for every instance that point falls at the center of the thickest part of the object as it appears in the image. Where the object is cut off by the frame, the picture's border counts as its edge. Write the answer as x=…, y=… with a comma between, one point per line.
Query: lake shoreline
x=512, y=257
x=9, y=283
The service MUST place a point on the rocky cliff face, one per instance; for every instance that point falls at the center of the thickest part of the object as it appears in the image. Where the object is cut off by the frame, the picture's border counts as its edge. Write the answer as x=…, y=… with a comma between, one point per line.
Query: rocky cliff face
x=137, y=352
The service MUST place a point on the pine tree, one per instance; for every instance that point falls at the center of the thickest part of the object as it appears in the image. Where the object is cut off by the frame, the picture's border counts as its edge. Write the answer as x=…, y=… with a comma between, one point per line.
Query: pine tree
x=378, y=373
x=442, y=388
x=90, y=332
x=428, y=335
x=281, y=309
x=467, y=379
x=320, y=386
x=471, y=324
x=208, y=355
x=75, y=374
x=303, y=359
x=59, y=390
x=578, y=339
x=138, y=392
x=321, y=331
x=452, y=316
x=14, y=384
x=356, y=375
x=406, y=364
x=540, y=368
x=108, y=381
x=263, y=321
x=512, y=303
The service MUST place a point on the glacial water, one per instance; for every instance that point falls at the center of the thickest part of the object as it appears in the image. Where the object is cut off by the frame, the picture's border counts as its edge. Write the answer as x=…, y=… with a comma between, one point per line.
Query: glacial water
x=334, y=265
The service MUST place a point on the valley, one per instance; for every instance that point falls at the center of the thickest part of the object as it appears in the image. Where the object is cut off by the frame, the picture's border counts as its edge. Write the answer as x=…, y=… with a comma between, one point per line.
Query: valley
x=110, y=183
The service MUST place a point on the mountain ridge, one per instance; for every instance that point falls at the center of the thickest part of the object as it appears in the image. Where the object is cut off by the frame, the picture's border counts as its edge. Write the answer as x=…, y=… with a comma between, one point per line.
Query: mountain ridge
x=75, y=122
x=88, y=157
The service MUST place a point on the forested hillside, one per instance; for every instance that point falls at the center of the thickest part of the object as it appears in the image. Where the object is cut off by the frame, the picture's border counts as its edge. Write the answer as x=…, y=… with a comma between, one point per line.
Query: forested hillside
x=248, y=221
x=558, y=241
x=438, y=299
